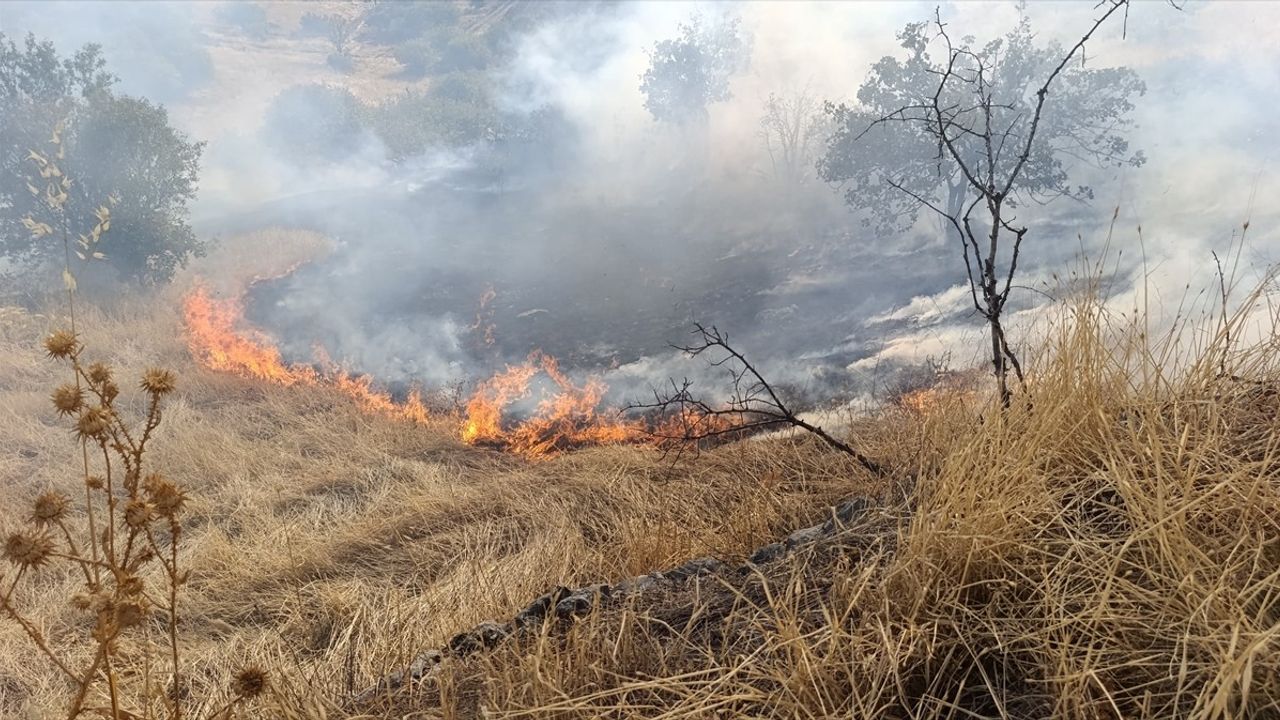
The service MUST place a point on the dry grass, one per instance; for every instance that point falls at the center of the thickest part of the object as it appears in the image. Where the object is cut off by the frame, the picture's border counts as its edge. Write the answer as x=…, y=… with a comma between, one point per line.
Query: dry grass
x=329, y=545
x=1107, y=552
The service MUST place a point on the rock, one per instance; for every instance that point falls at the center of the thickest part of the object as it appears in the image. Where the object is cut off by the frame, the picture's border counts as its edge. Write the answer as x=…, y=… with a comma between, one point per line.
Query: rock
x=481, y=637
x=803, y=537
x=845, y=514
x=768, y=553
x=580, y=601
x=693, y=568
x=423, y=664
x=538, y=609
x=635, y=585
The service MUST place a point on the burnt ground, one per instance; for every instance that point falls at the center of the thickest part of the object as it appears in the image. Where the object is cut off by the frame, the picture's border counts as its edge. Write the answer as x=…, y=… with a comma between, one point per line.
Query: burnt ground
x=596, y=286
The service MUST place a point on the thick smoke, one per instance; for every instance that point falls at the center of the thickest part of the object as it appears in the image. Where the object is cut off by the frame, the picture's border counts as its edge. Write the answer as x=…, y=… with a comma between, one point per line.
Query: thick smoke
x=608, y=232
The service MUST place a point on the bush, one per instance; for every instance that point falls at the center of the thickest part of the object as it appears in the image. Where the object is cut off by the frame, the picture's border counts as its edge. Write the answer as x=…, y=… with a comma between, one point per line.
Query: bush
x=116, y=145
x=249, y=18
x=418, y=56
x=394, y=23
x=313, y=123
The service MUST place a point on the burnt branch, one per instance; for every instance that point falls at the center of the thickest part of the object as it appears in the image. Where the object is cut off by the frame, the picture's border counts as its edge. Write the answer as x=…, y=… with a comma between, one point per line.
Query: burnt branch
x=753, y=404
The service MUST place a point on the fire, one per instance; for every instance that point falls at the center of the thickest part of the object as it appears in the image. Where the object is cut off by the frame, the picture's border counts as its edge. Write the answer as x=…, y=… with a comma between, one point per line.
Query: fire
x=484, y=317
x=218, y=340
x=567, y=417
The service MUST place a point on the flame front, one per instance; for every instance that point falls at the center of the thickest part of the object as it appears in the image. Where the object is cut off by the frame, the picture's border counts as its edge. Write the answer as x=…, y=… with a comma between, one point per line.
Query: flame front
x=568, y=415
x=218, y=339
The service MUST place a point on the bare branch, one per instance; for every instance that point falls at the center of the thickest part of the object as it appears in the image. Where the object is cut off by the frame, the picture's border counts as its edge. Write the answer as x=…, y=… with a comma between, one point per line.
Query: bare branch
x=753, y=404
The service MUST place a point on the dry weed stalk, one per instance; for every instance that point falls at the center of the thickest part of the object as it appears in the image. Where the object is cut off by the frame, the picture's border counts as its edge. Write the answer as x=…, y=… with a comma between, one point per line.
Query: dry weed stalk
x=131, y=517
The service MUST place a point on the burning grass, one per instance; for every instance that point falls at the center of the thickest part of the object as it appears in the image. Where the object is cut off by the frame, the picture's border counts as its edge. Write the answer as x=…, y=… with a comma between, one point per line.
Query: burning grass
x=1105, y=550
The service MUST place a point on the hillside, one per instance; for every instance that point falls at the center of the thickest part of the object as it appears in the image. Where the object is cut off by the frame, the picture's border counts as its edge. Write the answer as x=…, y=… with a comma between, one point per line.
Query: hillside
x=1104, y=549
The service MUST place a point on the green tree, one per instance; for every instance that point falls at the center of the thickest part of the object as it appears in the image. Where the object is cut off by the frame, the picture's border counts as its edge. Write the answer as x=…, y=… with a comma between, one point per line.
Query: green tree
x=111, y=146
x=689, y=72
x=884, y=151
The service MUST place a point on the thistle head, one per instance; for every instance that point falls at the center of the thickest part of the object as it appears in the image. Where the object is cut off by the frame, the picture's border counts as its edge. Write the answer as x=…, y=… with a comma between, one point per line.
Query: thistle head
x=61, y=344
x=92, y=423
x=137, y=514
x=49, y=508
x=99, y=373
x=159, y=381
x=68, y=399
x=165, y=497
x=27, y=549
x=249, y=682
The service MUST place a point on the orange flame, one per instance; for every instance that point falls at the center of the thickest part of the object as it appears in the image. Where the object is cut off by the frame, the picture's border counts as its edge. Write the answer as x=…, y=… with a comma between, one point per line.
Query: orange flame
x=567, y=415
x=217, y=340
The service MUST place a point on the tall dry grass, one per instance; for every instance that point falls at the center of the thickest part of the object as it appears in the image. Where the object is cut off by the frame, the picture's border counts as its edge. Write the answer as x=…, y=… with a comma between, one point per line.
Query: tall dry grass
x=328, y=546
x=1105, y=550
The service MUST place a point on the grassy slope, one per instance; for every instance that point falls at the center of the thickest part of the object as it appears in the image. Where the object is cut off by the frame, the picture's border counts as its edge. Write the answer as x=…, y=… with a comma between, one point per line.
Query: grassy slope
x=330, y=545
x=1108, y=552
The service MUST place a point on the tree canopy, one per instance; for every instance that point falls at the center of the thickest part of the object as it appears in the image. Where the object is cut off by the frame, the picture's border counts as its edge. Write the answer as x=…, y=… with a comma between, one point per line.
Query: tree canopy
x=112, y=146
x=886, y=139
x=689, y=72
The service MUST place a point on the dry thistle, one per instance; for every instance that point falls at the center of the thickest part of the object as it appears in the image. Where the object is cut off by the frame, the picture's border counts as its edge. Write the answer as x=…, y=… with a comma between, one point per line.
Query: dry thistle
x=130, y=613
x=61, y=344
x=68, y=399
x=166, y=498
x=49, y=508
x=94, y=482
x=28, y=549
x=109, y=391
x=158, y=381
x=137, y=514
x=99, y=373
x=92, y=423
x=249, y=682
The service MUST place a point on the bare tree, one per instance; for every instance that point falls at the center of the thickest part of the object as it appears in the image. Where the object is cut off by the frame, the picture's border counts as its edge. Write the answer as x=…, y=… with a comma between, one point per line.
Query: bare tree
x=754, y=404
x=989, y=135
x=793, y=128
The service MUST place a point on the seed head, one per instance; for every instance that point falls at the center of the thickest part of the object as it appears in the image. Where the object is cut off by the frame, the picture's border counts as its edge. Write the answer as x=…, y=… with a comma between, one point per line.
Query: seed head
x=159, y=381
x=166, y=498
x=92, y=423
x=137, y=514
x=28, y=549
x=130, y=585
x=130, y=613
x=98, y=373
x=109, y=391
x=61, y=344
x=49, y=508
x=68, y=399
x=249, y=682
x=94, y=482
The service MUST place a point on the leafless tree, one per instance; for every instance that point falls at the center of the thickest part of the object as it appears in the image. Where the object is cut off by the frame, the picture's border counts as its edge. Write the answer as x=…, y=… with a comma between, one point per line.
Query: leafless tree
x=793, y=129
x=754, y=404
x=990, y=139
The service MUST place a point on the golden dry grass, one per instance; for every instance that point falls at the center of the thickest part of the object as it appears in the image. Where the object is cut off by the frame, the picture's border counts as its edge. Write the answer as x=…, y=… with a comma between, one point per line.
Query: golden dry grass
x=1107, y=551
x=330, y=545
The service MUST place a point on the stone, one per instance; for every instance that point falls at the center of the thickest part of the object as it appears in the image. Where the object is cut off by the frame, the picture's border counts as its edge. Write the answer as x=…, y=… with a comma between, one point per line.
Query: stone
x=580, y=601
x=635, y=586
x=481, y=637
x=693, y=568
x=845, y=514
x=768, y=553
x=803, y=537
x=540, y=608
